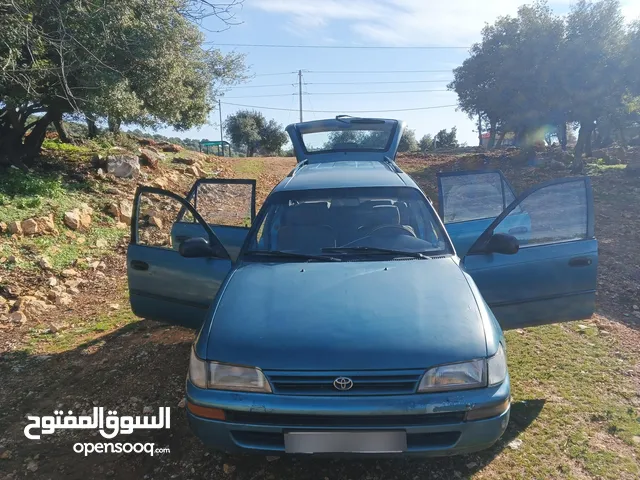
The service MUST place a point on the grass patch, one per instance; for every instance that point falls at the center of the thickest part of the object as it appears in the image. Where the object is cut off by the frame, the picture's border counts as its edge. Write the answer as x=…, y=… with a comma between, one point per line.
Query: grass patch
x=56, y=144
x=588, y=419
x=600, y=167
x=41, y=341
x=248, y=167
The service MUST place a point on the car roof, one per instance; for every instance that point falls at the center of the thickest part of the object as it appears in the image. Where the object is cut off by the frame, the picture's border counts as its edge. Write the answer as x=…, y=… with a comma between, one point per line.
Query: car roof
x=345, y=174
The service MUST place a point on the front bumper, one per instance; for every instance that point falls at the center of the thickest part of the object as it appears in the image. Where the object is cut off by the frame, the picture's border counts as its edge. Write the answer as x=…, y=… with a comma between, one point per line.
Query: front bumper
x=434, y=422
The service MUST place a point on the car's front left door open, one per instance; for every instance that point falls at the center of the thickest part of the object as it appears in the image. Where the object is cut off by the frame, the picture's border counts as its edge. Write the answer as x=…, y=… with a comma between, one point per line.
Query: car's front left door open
x=164, y=285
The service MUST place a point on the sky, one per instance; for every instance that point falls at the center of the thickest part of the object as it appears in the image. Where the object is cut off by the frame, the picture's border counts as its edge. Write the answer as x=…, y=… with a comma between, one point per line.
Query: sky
x=357, y=23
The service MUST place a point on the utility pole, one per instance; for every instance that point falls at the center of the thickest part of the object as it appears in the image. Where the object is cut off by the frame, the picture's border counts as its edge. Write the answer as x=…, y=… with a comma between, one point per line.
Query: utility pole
x=221, y=139
x=300, y=91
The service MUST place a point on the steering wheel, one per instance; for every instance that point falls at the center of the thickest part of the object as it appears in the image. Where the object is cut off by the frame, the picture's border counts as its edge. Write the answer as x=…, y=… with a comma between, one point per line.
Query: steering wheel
x=402, y=228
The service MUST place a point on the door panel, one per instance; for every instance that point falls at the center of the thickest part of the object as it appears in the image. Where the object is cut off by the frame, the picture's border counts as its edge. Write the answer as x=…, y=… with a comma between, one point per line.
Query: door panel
x=164, y=285
x=552, y=278
x=227, y=205
x=469, y=201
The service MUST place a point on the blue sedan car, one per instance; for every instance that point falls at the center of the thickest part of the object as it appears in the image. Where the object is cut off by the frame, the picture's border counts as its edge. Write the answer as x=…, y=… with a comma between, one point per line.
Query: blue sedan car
x=348, y=316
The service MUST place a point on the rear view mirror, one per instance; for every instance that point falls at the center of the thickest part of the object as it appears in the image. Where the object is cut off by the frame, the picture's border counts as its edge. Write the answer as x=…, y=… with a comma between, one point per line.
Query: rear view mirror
x=196, y=248
x=502, y=243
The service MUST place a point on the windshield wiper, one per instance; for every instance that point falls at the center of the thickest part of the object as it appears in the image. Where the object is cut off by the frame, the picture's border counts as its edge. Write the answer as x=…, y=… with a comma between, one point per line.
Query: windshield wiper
x=302, y=256
x=374, y=250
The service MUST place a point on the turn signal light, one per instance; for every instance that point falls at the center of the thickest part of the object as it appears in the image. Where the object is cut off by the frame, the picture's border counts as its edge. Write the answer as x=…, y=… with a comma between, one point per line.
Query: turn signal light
x=488, y=412
x=206, y=412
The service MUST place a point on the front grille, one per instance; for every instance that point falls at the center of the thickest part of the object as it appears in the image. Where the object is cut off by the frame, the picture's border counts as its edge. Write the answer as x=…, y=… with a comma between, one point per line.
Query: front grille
x=285, y=420
x=321, y=383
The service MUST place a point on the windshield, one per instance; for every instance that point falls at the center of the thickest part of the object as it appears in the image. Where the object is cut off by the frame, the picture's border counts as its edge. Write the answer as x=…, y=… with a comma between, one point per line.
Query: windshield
x=360, y=221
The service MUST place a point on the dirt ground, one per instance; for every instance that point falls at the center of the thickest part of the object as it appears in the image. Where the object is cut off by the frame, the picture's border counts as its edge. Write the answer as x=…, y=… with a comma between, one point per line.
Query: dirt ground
x=134, y=364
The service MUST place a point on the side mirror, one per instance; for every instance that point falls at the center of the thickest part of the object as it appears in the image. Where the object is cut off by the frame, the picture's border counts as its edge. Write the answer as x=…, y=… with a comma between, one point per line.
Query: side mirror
x=196, y=247
x=502, y=243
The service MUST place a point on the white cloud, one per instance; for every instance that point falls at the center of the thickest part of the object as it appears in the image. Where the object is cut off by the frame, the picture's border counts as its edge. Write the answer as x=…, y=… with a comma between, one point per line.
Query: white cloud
x=405, y=22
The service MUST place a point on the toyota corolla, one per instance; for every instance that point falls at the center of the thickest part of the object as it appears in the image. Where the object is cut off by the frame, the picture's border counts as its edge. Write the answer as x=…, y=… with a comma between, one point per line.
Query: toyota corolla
x=348, y=316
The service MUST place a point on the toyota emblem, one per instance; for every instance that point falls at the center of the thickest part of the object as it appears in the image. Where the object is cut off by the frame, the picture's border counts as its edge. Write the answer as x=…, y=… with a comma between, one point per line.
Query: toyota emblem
x=343, y=384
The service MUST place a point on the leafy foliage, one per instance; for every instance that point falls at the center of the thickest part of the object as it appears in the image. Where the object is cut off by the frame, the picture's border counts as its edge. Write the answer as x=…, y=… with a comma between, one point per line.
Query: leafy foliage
x=446, y=139
x=408, y=142
x=131, y=62
x=536, y=73
x=250, y=130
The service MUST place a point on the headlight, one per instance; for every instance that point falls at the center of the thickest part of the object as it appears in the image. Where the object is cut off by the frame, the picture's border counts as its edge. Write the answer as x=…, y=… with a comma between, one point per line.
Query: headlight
x=497, y=367
x=232, y=377
x=456, y=376
x=221, y=376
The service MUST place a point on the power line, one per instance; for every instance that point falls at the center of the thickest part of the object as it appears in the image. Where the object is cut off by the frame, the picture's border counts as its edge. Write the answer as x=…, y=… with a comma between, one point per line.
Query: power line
x=338, y=93
x=272, y=74
x=264, y=86
x=372, y=93
x=338, y=111
x=377, y=71
x=368, y=47
x=376, y=83
x=262, y=96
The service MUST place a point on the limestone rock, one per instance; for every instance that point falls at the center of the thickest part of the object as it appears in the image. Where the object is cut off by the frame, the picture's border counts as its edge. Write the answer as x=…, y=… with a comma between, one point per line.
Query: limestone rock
x=123, y=166
x=29, y=226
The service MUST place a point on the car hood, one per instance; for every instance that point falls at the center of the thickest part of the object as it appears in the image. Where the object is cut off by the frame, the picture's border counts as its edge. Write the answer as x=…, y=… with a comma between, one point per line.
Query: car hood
x=347, y=316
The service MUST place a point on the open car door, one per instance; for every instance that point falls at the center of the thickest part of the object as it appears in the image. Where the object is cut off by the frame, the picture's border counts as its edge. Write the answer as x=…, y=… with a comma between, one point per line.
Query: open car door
x=469, y=201
x=227, y=205
x=552, y=277
x=164, y=285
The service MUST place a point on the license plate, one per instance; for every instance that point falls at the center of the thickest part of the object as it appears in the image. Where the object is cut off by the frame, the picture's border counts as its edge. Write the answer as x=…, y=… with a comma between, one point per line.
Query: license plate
x=345, y=442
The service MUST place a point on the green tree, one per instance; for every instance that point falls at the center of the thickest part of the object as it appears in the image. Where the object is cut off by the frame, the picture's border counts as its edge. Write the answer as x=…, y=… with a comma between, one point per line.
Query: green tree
x=128, y=61
x=272, y=138
x=408, y=142
x=425, y=143
x=446, y=139
x=249, y=129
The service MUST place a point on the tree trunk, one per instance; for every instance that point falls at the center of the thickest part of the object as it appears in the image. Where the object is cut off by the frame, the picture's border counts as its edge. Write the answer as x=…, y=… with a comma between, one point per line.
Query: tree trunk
x=479, y=130
x=588, y=149
x=500, y=139
x=62, y=132
x=92, y=128
x=114, y=125
x=33, y=141
x=584, y=142
x=562, y=136
x=492, y=134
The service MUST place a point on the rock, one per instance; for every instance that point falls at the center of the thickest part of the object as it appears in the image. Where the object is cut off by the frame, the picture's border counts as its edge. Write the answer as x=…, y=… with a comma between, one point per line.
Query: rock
x=147, y=410
x=73, y=290
x=64, y=299
x=102, y=243
x=635, y=307
x=170, y=147
x=94, y=265
x=192, y=170
x=29, y=226
x=32, y=466
x=46, y=224
x=14, y=228
x=636, y=439
x=228, y=469
x=52, y=282
x=149, y=158
x=114, y=306
x=85, y=208
x=72, y=219
x=272, y=458
x=100, y=173
x=57, y=327
x=3, y=227
x=123, y=166
x=515, y=444
x=69, y=272
x=471, y=465
x=5, y=454
x=185, y=160
x=45, y=264
x=81, y=240
x=122, y=225
x=582, y=328
x=182, y=403
x=160, y=182
x=18, y=317
x=556, y=165
x=155, y=220
x=146, y=141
